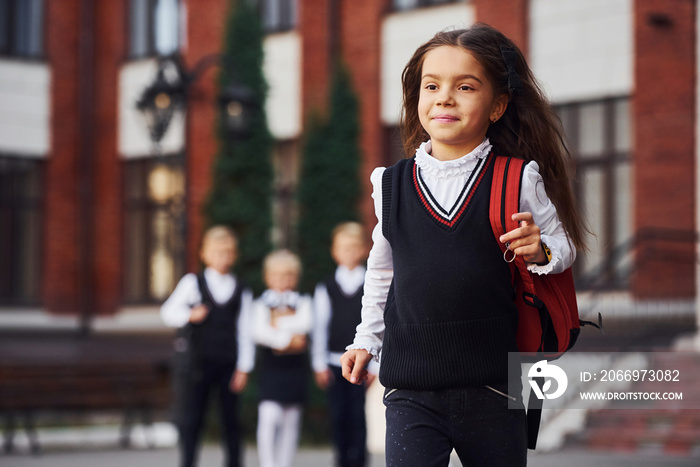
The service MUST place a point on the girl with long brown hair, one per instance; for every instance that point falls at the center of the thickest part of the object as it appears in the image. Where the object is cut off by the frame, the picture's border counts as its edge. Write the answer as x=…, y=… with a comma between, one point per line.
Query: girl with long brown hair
x=438, y=299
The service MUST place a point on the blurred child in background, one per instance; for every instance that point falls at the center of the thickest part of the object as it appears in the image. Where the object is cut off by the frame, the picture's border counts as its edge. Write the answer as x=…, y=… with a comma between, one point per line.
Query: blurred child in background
x=337, y=307
x=282, y=320
x=213, y=348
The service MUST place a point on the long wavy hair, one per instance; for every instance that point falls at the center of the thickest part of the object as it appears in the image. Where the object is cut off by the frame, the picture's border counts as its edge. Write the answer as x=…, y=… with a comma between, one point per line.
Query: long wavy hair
x=529, y=129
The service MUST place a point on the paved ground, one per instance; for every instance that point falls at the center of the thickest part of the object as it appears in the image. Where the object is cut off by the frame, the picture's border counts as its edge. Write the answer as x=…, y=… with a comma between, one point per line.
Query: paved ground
x=211, y=457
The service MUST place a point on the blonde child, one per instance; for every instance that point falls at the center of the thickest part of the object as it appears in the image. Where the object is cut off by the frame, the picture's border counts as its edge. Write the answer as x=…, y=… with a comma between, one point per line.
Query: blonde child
x=282, y=320
x=214, y=348
x=337, y=307
x=438, y=294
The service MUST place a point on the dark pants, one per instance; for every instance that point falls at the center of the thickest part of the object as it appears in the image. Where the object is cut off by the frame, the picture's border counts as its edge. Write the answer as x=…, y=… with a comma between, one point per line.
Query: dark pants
x=346, y=402
x=197, y=385
x=422, y=428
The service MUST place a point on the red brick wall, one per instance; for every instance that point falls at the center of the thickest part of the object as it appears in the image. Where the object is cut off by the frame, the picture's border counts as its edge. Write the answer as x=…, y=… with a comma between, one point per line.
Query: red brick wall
x=361, y=48
x=314, y=25
x=508, y=16
x=664, y=145
x=110, y=41
x=60, y=271
x=205, y=26
x=83, y=274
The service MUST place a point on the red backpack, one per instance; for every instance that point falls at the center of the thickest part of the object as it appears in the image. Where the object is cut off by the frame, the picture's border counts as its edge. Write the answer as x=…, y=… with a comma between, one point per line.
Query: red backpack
x=548, y=314
x=548, y=322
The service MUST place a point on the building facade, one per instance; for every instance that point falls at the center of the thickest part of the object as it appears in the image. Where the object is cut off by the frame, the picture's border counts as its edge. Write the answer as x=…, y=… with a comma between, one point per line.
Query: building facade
x=96, y=218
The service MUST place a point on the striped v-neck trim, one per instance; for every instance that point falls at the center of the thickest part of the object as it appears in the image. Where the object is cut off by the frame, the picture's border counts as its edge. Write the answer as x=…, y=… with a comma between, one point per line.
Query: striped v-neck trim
x=449, y=218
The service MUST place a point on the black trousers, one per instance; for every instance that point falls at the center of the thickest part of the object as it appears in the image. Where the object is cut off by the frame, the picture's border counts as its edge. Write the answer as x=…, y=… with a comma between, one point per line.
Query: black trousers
x=422, y=428
x=197, y=385
x=346, y=403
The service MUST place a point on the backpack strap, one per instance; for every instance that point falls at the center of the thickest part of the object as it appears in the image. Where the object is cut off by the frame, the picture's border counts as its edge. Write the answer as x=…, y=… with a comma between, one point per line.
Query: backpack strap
x=534, y=415
x=505, y=201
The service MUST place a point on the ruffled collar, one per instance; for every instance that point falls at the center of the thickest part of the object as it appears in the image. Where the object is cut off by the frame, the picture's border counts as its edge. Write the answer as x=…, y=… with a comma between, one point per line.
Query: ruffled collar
x=444, y=169
x=276, y=299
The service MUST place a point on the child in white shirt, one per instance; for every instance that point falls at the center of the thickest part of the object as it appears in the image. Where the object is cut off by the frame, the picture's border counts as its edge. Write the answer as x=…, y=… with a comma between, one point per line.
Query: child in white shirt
x=214, y=348
x=282, y=320
x=337, y=308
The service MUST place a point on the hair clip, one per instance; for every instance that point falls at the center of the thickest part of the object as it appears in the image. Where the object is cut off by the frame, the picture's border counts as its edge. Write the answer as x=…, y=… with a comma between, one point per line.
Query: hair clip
x=510, y=55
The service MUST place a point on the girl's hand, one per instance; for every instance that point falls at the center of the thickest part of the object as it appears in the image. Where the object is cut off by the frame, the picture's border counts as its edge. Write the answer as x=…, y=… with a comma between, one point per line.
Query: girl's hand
x=353, y=363
x=297, y=344
x=525, y=240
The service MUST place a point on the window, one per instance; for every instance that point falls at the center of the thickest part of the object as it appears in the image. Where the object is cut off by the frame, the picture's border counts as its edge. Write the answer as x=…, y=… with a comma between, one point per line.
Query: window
x=154, y=228
x=401, y=5
x=153, y=27
x=22, y=28
x=599, y=137
x=20, y=230
x=277, y=15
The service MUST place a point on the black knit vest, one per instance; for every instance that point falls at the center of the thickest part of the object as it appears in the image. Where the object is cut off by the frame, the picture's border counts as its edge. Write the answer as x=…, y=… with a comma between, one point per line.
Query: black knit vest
x=216, y=338
x=450, y=317
x=346, y=314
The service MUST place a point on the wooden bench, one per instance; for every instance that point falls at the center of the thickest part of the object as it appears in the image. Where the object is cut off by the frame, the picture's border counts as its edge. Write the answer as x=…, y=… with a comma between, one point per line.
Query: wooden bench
x=135, y=389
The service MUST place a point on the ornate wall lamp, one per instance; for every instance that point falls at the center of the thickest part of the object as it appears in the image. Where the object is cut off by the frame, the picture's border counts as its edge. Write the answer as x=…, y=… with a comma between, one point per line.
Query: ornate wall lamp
x=168, y=93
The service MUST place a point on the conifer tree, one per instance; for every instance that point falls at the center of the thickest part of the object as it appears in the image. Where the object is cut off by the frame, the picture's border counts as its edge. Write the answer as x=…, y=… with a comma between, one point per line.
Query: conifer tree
x=241, y=191
x=329, y=186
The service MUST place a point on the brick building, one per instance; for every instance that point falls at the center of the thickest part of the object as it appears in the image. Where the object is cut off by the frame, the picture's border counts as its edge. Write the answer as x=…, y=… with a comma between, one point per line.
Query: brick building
x=94, y=218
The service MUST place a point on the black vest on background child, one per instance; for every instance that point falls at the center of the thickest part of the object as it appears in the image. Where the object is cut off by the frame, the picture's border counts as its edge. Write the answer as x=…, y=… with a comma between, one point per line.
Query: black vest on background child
x=215, y=339
x=206, y=357
x=450, y=319
x=347, y=314
x=283, y=377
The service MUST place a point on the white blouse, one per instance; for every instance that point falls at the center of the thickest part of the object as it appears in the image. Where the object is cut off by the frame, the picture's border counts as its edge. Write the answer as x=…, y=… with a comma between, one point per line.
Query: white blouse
x=445, y=180
x=280, y=335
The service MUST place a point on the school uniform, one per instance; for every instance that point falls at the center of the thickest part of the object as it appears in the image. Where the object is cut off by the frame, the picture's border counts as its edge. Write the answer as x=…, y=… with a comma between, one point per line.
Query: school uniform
x=438, y=305
x=337, y=308
x=208, y=354
x=282, y=377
